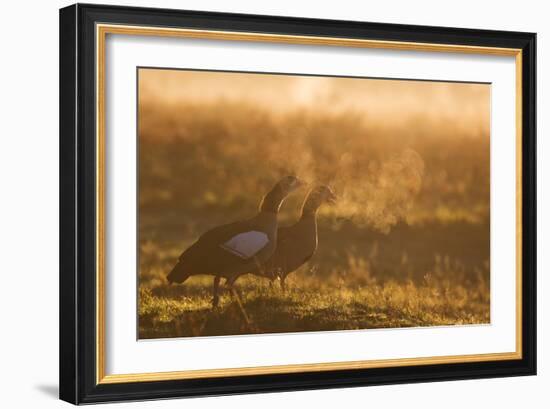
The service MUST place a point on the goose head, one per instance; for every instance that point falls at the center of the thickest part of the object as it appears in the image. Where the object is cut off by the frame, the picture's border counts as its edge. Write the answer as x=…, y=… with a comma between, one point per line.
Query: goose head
x=318, y=196
x=289, y=184
x=273, y=200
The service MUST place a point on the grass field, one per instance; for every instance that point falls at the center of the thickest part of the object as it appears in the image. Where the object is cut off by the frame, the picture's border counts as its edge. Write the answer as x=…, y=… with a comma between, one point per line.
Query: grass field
x=379, y=290
x=178, y=312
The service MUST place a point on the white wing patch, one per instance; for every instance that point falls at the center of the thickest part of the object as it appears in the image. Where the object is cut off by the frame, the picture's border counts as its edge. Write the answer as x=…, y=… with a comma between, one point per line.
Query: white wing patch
x=245, y=245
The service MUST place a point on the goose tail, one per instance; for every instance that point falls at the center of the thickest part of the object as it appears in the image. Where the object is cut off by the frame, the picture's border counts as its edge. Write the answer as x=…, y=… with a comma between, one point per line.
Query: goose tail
x=178, y=274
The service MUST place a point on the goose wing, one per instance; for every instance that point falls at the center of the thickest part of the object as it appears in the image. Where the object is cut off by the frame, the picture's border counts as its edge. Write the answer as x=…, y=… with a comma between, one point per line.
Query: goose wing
x=295, y=246
x=226, y=248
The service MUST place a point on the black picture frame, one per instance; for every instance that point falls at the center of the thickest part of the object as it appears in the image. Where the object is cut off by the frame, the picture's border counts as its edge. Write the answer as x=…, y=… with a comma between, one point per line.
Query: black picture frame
x=78, y=200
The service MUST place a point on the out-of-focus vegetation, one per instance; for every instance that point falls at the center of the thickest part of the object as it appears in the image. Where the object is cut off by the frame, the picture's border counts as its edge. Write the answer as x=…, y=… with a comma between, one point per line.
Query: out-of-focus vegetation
x=406, y=245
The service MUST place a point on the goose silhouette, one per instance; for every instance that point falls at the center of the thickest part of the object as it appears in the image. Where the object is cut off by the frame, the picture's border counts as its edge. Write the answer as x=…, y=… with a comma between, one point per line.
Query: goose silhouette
x=234, y=249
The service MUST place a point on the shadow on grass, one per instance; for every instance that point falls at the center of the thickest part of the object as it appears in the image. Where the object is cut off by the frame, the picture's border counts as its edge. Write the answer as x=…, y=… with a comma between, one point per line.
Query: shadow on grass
x=272, y=314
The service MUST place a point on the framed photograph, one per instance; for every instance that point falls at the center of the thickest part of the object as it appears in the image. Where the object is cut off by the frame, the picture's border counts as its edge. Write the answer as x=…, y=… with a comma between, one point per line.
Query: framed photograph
x=257, y=203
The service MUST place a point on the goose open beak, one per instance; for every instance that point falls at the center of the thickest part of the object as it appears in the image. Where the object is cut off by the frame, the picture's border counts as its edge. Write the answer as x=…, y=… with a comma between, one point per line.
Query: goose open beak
x=332, y=198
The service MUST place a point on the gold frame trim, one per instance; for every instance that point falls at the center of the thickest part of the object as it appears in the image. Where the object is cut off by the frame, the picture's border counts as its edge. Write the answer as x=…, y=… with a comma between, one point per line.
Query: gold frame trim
x=101, y=32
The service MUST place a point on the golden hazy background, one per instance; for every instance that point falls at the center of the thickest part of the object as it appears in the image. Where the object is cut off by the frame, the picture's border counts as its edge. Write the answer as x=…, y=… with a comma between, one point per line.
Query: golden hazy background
x=409, y=161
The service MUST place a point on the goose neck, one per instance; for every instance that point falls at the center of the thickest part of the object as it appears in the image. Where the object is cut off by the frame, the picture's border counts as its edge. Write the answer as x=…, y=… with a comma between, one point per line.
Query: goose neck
x=272, y=202
x=309, y=214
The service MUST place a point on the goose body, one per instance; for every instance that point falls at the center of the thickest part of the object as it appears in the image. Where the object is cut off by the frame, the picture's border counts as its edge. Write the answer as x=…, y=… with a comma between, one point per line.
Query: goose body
x=296, y=244
x=216, y=252
x=236, y=248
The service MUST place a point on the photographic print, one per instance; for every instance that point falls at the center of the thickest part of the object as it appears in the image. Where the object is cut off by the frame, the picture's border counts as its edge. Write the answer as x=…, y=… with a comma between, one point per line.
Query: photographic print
x=291, y=190
x=278, y=203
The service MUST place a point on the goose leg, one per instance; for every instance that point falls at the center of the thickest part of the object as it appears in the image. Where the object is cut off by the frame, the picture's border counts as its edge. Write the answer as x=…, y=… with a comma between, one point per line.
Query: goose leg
x=230, y=283
x=216, y=298
x=282, y=275
x=283, y=286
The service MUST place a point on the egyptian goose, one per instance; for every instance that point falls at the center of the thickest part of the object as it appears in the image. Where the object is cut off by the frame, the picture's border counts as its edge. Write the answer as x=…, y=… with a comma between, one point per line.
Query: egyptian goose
x=234, y=249
x=296, y=244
